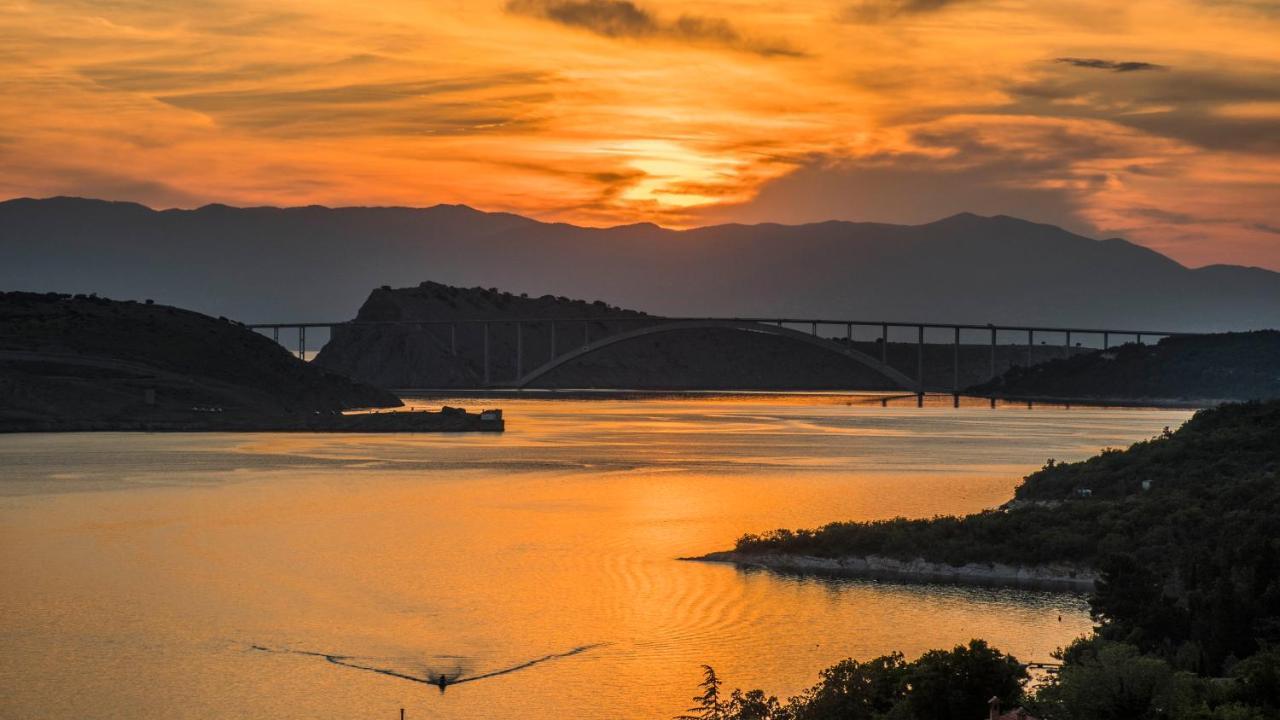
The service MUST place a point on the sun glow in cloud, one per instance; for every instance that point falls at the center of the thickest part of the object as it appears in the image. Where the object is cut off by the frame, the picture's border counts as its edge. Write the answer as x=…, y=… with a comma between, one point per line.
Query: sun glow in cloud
x=1162, y=128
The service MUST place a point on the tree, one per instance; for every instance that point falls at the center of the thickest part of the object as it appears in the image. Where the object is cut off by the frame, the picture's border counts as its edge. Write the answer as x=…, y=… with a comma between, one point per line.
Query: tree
x=853, y=690
x=1103, y=680
x=707, y=705
x=956, y=685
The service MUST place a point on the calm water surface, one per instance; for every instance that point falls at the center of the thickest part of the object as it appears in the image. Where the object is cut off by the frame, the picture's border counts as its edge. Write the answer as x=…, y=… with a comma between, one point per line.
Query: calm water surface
x=138, y=572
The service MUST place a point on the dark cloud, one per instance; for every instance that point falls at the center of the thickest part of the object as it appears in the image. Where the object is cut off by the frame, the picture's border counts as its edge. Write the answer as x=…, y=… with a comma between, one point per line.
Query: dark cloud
x=1165, y=217
x=1191, y=106
x=1182, y=219
x=626, y=19
x=1269, y=8
x=1112, y=65
x=978, y=173
x=178, y=73
x=874, y=11
x=78, y=181
x=429, y=107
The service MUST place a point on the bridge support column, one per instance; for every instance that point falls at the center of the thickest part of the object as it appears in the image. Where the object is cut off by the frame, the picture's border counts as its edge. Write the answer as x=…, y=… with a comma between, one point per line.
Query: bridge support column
x=486, y=353
x=884, y=343
x=955, y=378
x=848, y=333
x=519, y=350
x=1068, y=344
x=992, y=376
x=302, y=342
x=1031, y=344
x=275, y=333
x=814, y=330
x=1138, y=338
x=920, y=360
x=1106, y=341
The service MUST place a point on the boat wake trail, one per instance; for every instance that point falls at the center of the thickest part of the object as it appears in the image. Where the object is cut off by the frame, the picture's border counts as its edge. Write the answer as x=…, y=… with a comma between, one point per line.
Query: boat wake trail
x=438, y=679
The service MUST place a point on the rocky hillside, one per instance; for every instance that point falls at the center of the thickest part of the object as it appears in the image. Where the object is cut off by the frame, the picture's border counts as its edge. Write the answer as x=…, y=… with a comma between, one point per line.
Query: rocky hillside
x=399, y=356
x=1225, y=366
x=85, y=361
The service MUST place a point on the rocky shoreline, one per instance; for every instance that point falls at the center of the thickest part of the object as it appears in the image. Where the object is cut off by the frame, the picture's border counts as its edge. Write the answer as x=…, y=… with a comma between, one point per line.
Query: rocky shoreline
x=448, y=420
x=1055, y=577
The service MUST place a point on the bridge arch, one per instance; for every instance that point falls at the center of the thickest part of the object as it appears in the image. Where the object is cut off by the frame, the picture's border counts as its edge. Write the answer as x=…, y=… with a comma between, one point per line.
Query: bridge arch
x=742, y=325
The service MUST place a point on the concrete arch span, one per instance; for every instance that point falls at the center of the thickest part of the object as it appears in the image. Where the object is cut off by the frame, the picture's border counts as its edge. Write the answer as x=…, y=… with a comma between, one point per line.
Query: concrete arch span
x=861, y=358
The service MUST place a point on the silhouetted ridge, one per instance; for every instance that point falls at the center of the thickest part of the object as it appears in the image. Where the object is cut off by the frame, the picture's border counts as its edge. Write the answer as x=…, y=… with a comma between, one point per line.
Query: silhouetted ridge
x=316, y=263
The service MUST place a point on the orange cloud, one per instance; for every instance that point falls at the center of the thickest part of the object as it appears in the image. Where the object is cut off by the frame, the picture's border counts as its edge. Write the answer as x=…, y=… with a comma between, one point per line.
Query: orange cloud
x=615, y=111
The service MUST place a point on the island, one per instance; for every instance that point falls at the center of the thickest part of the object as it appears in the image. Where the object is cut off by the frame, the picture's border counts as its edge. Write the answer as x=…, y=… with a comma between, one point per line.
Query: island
x=86, y=363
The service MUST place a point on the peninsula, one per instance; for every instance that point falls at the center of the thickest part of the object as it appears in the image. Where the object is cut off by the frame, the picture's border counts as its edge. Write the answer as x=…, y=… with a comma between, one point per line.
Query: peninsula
x=84, y=363
x=1185, y=504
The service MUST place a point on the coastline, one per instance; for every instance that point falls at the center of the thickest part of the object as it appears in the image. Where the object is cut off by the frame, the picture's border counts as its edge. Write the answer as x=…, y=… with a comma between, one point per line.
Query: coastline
x=1053, y=577
x=1159, y=403
x=864, y=397
x=388, y=422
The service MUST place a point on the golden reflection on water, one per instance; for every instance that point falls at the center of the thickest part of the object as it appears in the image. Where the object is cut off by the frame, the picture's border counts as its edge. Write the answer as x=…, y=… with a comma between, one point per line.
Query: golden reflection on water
x=136, y=571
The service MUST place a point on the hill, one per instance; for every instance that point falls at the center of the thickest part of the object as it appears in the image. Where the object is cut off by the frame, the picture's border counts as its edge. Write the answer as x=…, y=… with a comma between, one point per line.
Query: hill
x=315, y=263
x=441, y=356
x=1226, y=366
x=88, y=363
x=1182, y=529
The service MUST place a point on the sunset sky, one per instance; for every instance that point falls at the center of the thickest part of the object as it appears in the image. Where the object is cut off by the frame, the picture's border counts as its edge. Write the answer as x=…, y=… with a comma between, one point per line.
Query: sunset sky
x=1156, y=121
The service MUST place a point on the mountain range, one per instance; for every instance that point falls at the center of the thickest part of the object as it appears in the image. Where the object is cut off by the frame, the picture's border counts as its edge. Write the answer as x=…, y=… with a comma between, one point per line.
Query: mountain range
x=315, y=263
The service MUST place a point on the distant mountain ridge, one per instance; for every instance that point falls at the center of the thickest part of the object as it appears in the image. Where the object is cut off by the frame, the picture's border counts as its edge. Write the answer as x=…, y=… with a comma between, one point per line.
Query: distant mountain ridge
x=317, y=263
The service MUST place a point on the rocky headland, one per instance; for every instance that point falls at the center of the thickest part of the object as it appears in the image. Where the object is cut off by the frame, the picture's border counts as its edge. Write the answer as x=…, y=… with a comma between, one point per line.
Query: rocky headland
x=84, y=363
x=1215, y=480
x=1056, y=576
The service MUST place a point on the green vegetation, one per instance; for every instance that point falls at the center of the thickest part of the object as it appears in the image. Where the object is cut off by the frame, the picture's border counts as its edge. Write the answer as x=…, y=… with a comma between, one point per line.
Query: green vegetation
x=1226, y=366
x=1099, y=680
x=1193, y=559
x=939, y=685
x=1184, y=531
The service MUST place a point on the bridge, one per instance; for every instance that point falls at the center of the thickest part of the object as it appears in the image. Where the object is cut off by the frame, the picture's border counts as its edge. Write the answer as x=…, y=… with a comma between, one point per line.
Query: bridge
x=528, y=371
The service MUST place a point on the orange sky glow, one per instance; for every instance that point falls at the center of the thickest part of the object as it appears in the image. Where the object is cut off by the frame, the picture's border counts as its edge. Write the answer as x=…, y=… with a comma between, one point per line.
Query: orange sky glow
x=1156, y=121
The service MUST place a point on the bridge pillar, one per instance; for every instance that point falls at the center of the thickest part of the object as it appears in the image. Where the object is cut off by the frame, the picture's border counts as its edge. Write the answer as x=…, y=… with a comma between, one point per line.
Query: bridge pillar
x=955, y=379
x=1031, y=344
x=993, y=355
x=519, y=350
x=920, y=359
x=884, y=343
x=302, y=342
x=1068, y=344
x=1106, y=341
x=814, y=331
x=1138, y=337
x=848, y=333
x=275, y=333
